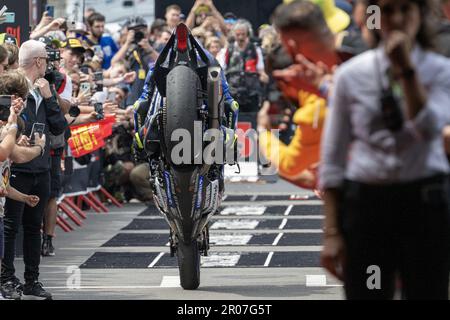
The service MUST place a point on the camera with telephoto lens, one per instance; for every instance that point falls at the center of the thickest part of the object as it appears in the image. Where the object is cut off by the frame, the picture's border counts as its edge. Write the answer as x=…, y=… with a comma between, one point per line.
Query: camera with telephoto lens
x=53, y=55
x=136, y=23
x=138, y=36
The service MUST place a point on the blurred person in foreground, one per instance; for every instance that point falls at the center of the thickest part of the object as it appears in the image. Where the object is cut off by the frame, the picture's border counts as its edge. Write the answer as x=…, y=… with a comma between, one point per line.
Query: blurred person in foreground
x=307, y=38
x=384, y=171
x=443, y=28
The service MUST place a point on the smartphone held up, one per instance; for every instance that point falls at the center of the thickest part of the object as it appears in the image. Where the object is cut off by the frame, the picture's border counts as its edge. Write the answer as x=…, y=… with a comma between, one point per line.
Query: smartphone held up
x=5, y=105
x=37, y=128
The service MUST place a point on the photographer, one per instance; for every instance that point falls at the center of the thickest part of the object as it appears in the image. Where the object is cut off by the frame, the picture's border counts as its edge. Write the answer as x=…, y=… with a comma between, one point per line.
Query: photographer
x=44, y=115
x=139, y=54
x=384, y=170
x=243, y=63
x=63, y=86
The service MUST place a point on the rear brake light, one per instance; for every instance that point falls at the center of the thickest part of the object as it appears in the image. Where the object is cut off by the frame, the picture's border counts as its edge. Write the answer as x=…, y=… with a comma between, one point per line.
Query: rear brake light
x=182, y=37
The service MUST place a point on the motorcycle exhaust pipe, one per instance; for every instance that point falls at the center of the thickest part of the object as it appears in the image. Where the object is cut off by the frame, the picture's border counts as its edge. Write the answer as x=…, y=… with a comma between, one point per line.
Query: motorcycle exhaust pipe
x=213, y=106
x=213, y=97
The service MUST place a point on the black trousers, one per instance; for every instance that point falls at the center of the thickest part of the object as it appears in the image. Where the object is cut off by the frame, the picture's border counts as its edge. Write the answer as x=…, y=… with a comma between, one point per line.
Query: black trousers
x=404, y=231
x=17, y=213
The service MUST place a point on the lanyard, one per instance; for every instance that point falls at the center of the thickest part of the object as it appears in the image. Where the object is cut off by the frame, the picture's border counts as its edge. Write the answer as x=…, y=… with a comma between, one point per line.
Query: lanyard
x=138, y=59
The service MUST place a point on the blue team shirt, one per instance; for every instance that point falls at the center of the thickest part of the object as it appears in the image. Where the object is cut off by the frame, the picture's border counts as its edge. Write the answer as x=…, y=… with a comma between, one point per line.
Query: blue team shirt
x=109, y=49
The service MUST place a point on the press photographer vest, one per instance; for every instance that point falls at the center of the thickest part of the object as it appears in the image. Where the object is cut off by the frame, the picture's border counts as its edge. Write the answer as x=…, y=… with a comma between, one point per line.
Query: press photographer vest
x=237, y=60
x=242, y=76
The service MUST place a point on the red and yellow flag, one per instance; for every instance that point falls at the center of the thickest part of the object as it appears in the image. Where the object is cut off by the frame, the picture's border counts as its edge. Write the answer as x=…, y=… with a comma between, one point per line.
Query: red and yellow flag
x=86, y=138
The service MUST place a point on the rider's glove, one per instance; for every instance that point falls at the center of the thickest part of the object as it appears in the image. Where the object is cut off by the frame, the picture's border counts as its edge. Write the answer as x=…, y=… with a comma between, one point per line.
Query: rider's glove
x=231, y=145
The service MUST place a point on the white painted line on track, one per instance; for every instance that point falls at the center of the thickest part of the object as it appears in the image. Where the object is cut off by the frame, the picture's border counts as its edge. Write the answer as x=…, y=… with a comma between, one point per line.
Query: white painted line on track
x=288, y=210
x=269, y=257
x=277, y=239
x=155, y=261
x=234, y=224
x=244, y=210
x=319, y=280
x=283, y=224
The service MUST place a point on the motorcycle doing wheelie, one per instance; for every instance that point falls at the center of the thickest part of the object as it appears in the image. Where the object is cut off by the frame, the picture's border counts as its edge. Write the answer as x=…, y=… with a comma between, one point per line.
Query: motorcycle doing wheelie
x=188, y=192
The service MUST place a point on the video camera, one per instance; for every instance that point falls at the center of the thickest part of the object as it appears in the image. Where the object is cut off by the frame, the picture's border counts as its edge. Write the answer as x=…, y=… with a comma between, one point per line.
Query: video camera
x=53, y=54
x=52, y=75
x=136, y=23
x=138, y=36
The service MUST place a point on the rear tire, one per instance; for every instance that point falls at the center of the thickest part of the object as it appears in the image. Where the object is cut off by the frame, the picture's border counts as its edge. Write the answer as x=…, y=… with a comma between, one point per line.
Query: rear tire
x=182, y=107
x=181, y=113
x=189, y=265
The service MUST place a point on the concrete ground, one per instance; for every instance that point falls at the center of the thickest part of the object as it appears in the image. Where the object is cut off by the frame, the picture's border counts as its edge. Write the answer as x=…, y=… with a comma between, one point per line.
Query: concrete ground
x=62, y=276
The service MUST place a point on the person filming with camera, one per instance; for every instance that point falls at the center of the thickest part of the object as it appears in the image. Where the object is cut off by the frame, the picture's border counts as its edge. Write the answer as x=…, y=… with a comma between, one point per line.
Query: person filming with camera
x=384, y=169
x=139, y=54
